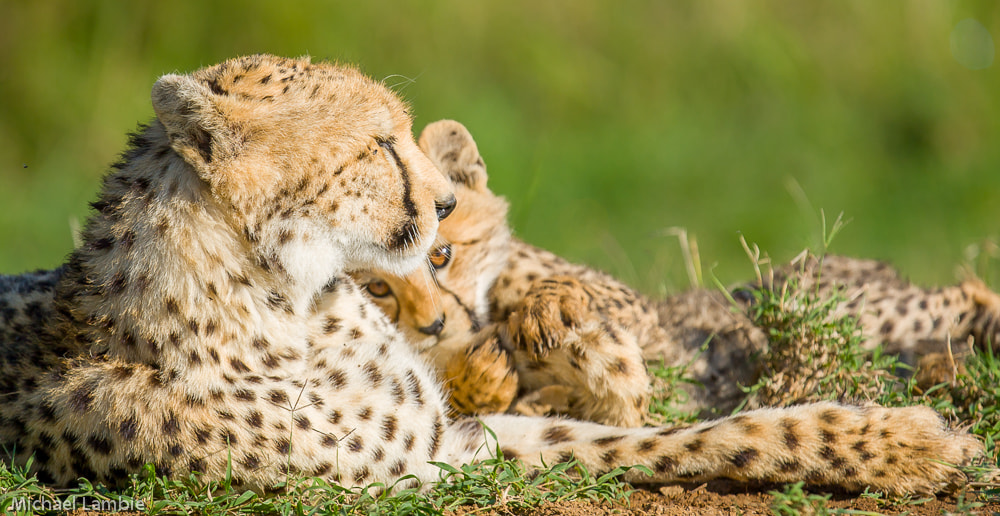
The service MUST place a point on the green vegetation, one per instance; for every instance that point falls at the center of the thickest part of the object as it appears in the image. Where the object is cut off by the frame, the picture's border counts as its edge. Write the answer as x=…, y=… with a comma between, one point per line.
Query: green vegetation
x=668, y=393
x=604, y=122
x=492, y=483
x=813, y=355
x=793, y=500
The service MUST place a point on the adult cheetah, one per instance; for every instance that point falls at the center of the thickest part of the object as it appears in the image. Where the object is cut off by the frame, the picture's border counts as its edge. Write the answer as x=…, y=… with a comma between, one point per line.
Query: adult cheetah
x=209, y=319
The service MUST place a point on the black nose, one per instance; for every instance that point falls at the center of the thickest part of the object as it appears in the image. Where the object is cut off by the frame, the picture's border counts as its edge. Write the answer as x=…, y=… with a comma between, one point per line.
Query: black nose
x=434, y=328
x=445, y=207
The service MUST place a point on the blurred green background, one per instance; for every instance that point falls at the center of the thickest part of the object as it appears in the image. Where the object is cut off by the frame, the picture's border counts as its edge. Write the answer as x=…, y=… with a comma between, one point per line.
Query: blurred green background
x=605, y=123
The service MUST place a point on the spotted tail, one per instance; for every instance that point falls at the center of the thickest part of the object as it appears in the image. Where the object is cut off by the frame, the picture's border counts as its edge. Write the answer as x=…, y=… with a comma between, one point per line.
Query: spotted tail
x=895, y=450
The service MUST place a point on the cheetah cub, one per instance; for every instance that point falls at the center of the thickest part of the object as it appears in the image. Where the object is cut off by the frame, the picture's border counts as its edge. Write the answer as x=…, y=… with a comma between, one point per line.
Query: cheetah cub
x=464, y=319
x=503, y=320
x=209, y=321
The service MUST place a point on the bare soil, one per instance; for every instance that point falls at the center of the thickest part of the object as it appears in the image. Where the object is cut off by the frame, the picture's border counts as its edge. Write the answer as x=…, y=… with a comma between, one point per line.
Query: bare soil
x=721, y=498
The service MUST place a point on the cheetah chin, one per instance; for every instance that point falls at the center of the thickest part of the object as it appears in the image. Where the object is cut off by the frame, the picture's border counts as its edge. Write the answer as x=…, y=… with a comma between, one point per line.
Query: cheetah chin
x=191, y=330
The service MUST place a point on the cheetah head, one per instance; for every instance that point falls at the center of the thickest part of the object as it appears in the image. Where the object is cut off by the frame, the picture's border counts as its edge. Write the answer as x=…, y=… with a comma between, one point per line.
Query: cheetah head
x=439, y=307
x=313, y=164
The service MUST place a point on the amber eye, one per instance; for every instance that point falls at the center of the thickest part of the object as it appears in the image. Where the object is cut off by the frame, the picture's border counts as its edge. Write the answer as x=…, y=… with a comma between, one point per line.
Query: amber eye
x=440, y=256
x=378, y=288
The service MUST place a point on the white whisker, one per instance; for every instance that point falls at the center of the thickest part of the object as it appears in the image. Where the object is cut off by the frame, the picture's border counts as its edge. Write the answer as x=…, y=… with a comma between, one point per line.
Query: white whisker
x=428, y=274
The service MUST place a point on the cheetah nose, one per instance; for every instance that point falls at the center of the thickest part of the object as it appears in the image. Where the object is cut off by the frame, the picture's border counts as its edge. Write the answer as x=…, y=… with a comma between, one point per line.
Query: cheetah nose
x=445, y=207
x=434, y=328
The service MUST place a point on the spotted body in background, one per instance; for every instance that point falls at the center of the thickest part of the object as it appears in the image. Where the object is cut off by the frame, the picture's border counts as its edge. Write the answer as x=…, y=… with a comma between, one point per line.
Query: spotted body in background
x=209, y=321
x=903, y=318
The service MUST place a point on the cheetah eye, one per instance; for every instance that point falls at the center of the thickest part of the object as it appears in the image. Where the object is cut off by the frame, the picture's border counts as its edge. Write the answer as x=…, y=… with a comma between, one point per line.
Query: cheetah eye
x=378, y=288
x=440, y=256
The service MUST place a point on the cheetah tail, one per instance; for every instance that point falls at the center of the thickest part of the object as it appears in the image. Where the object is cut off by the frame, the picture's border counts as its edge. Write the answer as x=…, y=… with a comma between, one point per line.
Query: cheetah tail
x=895, y=450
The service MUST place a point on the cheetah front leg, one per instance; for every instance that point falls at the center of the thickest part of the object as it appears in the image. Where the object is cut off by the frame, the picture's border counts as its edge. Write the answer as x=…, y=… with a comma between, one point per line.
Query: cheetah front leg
x=895, y=450
x=482, y=379
x=563, y=335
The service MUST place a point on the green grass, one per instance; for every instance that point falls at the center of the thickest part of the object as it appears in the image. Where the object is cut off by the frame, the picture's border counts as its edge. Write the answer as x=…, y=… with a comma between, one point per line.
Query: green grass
x=793, y=500
x=494, y=482
x=668, y=393
x=604, y=123
x=813, y=355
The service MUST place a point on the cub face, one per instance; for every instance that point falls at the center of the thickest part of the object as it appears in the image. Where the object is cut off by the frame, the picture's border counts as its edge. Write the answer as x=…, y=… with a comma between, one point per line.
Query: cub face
x=441, y=305
x=314, y=164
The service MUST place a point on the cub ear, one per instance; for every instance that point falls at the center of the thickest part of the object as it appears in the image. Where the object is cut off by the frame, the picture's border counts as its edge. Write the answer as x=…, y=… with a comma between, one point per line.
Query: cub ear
x=193, y=122
x=451, y=148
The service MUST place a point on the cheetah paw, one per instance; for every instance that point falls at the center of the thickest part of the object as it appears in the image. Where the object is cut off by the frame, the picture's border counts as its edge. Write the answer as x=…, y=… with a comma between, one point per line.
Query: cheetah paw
x=551, y=309
x=483, y=379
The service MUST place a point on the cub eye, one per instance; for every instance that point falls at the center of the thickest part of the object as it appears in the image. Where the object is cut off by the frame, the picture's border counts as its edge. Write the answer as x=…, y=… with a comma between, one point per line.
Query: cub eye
x=440, y=256
x=378, y=288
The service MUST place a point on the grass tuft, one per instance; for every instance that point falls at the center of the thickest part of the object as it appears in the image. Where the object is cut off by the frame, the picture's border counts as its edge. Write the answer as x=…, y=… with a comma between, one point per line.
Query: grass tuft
x=793, y=500
x=495, y=483
x=814, y=354
x=668, y=393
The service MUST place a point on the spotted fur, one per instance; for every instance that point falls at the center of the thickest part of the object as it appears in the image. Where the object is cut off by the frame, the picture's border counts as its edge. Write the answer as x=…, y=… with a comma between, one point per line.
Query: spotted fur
x=905, y=319
x=209, y=323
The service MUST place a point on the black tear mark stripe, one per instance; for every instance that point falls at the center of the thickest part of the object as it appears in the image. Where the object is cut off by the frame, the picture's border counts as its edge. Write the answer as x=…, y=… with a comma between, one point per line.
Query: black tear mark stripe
x=411, y=209
x=473, y=318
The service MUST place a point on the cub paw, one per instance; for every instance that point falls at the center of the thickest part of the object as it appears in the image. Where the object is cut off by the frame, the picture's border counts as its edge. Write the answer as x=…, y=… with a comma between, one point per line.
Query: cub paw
x=482, y=380
x=552, y=307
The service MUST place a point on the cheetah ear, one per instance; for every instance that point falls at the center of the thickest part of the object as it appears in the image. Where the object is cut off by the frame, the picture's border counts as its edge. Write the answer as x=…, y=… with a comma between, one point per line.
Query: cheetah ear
x=194, y=124
x=451, y=148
